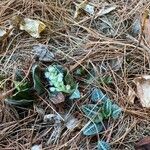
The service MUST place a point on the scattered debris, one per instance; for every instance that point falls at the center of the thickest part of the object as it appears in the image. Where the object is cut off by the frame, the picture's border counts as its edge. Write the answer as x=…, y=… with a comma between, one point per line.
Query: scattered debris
x=115, y=64
x=89, y=9
x=71, y=122
x=5, y=32
x=2, y=32
x=56, y=121
x=143, y=88
x=57, y=97
x=39, y=110
x=105, y=10
x=146, y=26
x=33, y=27
x=55, y=135
x=84, y=5
x=136, y=27
x=43, y=53
x=55, y=118
x=36, y=147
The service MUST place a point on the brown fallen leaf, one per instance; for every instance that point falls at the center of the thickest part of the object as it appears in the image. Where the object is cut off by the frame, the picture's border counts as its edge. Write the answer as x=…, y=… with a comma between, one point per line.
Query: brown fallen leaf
x=146, y=31
x=146, y=26
x=143, y=89
x=58, y=98
x=4, y=33
x=105, y=10
x=143, y=144
x=131, y=95
x=84, y=5
x=33, y=27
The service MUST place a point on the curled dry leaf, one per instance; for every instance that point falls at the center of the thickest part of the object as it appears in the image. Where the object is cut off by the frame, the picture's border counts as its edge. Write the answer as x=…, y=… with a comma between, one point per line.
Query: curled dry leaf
x=43, y=53
x=105, y=10
x=57, y=98
x=36, y=147
x=143, y=89
x=71, y=122
x=53, y=118
x=146, y=26
x=112, y=64
x=33, y=27
x=56, y=120
x=89, y=9
x=136, y=27
x=4, y=33
x=84, y=6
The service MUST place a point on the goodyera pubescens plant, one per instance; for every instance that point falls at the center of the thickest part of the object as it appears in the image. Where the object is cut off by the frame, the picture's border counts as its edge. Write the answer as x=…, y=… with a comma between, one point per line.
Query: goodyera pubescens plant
x=56, y=80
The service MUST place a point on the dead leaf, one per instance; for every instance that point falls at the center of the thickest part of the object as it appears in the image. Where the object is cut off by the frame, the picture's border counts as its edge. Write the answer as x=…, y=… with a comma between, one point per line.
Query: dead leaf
x=113, y=64
x=57, y=98
x=147, y=30
x=43, y=53
x=89, y=9
x=105, y=10
x=56, y=120
x=146, y=26
x=4, y=33
x=143, y=144
x=71, y=122
x=36, y=147
x=131, y=95
x=84, y=6
x=55, y=135
x=33, y=27
x=143, y=89
x=136, y=27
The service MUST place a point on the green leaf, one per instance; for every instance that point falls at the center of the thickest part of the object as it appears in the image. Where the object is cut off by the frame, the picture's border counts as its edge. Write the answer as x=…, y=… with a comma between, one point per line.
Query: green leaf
x=107, y=109
x=106, y=80
x=75, y=94
x=21, y=85
x=61, y=81
x=24, y=94
x=116, y=111
x=93, y=112
x=38, y=86
x=102, y=145
x=98, y=95
x=80, y=71
x=70, y=81
x=22, y=102
x=55, y=77
x=92, y=129
x=21, y=98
